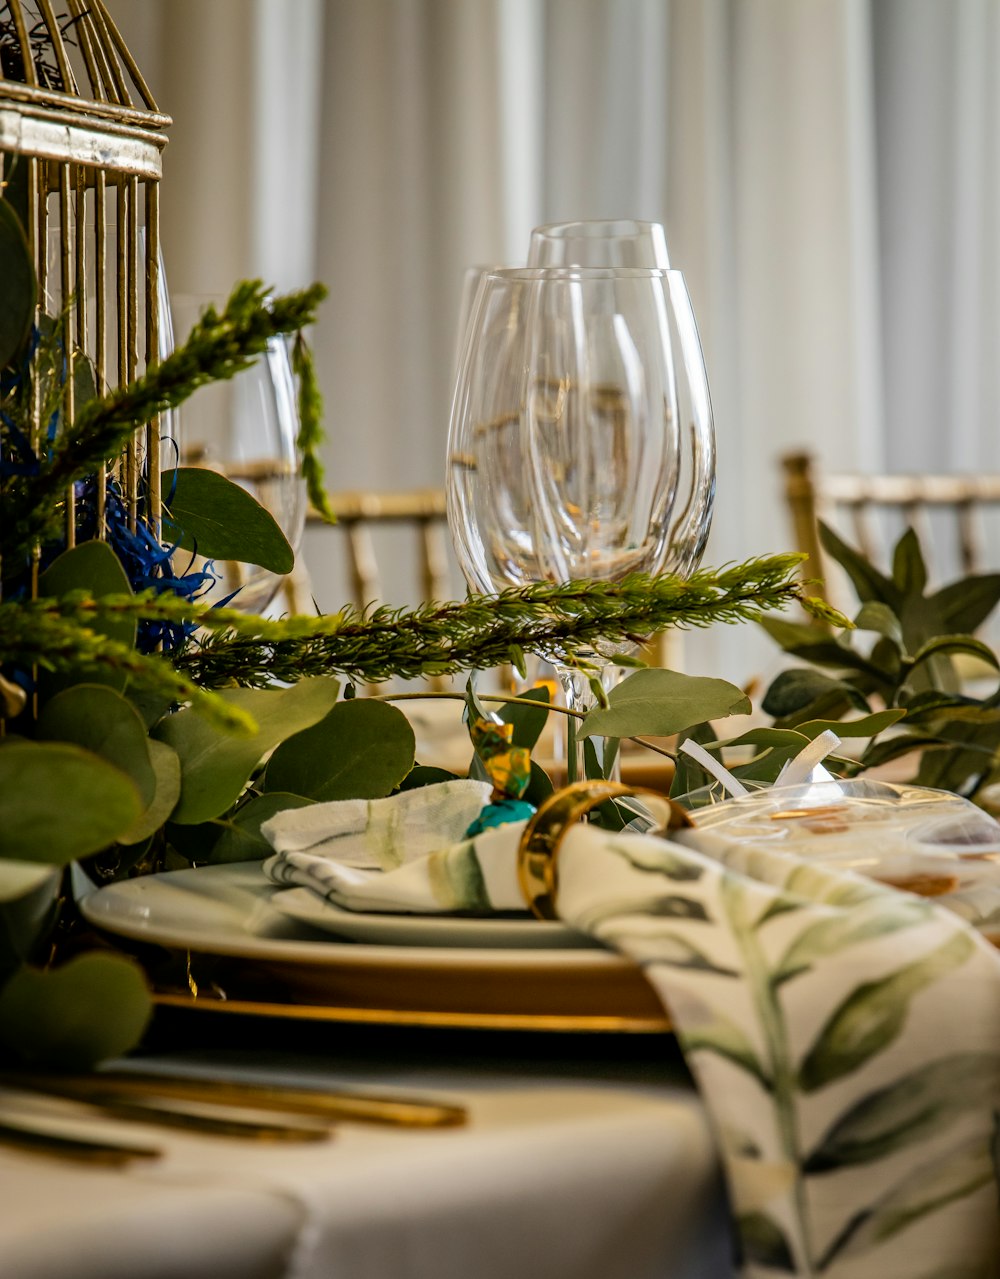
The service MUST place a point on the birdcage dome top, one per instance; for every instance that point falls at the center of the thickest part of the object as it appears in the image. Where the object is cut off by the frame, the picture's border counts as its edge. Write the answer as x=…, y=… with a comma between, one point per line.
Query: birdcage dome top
x=70, y=89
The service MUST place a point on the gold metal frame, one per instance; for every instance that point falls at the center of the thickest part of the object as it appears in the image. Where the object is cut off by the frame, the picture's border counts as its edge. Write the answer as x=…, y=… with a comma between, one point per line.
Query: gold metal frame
x=80, y=116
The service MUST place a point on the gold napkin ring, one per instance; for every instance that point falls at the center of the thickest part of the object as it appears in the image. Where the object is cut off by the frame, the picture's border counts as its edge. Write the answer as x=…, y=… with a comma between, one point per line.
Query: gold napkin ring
x=538, y=851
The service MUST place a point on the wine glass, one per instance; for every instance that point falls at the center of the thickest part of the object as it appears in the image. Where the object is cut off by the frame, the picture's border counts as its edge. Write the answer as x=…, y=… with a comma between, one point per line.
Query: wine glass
x=581, y=443
x=619, y=242
x=246, y=428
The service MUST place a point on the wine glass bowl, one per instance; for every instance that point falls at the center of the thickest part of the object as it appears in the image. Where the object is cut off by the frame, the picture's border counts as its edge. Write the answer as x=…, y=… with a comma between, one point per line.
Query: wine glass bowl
x=246, y=429
x=581, y=443
x=568, y=457
x=620, y=242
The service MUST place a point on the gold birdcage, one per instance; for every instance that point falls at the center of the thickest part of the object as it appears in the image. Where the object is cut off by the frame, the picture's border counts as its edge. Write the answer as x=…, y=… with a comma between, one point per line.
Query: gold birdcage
x=81, y=145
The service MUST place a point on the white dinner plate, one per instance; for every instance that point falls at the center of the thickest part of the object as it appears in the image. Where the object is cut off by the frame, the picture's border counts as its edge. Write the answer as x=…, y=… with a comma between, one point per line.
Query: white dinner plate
x=426, y=930
x=232, y=910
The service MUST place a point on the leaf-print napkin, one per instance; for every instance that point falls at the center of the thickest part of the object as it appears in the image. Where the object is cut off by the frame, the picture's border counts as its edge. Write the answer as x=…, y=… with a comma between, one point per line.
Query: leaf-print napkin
x=845, y=1035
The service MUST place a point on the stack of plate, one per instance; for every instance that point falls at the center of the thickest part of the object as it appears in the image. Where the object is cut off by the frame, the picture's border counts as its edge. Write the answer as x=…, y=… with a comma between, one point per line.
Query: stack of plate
x=224, y=938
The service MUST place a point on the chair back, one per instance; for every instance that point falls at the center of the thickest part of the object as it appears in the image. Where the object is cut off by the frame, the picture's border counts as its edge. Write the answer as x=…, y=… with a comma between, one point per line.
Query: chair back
x=945, y=511
x=420, y=513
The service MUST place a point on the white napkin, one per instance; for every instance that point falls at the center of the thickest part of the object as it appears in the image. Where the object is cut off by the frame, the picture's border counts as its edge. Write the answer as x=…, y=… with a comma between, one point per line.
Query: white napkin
x=377, y=833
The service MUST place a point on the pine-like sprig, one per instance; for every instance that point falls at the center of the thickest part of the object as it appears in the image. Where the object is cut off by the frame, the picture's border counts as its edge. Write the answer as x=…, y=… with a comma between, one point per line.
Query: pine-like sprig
x=218, y=347
x=569, y=620
x=311, y=428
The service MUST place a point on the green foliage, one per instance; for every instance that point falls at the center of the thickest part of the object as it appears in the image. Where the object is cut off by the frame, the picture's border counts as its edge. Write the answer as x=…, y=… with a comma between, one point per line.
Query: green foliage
x=91, y=566
x=659, y=703
x=97, y=803
x=311, y=434
x=215, y=767
x=210, y=515
x=361, y=749
x=95, y=1006
x=900, y=656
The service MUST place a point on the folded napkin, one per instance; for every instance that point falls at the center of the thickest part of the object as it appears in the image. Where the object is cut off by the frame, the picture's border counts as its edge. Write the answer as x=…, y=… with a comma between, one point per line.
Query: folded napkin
x=845, y=1035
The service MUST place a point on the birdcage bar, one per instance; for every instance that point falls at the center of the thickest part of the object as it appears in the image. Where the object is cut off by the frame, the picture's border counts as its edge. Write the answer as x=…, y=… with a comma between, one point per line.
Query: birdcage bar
x=153, y=320
x=68, y=114
x=101, y=316
x=67, y=284
x=58, y=45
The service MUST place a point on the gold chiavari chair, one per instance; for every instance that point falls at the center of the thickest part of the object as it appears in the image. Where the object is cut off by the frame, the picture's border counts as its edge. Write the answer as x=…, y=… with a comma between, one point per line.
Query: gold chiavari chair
x=946, y=512
x=359, y=516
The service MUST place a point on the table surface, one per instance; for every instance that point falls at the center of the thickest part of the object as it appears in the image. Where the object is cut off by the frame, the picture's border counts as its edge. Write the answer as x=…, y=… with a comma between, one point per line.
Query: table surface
x=585, y=1157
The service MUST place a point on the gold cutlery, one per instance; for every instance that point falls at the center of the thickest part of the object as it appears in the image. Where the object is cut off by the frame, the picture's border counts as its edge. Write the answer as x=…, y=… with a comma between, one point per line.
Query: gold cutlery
x=212, y=1118
x=407, y=1112
x=44, y=1141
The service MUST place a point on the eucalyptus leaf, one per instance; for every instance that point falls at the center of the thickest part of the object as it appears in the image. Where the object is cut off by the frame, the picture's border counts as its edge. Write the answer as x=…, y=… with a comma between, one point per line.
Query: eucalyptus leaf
x=794, y=690
x=426, y=775
x=872, y=1017
x=956, y=644
x=539, y=785
x=101, y=720
x=792, y=636
x=951, y=1175
x=654, y=702
x=528, y=715
x=878, y=617
x=95, y=567
x=59, y=802
x=28, y=892
x=216, y=518
x=167, y=771
x=240, y=839
x=909, y=571
x=215, y=766
x=914, y=1108
x=362, y=749
x=964, y=605
x=869, y=583
x=94, y=1007
x=18, y=288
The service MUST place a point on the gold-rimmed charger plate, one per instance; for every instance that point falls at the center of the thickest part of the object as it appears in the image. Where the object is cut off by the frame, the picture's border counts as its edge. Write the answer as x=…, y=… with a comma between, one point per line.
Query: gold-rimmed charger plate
x=211, y=941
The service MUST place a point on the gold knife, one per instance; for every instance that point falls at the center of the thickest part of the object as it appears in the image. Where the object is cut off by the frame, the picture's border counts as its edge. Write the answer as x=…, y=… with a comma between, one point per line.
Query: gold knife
x=199, y=1116
x=44, y=1141
x=407, y=1112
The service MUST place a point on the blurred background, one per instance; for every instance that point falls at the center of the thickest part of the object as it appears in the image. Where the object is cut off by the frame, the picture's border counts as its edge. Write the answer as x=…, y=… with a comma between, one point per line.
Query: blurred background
x=828, y=174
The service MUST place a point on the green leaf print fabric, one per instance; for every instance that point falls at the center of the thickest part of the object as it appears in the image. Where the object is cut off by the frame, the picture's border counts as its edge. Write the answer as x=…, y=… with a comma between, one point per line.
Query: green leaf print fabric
x=844, y=1034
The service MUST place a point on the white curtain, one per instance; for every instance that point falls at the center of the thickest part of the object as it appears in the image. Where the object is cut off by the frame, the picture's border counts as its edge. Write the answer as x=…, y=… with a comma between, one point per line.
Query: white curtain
x=827, y=172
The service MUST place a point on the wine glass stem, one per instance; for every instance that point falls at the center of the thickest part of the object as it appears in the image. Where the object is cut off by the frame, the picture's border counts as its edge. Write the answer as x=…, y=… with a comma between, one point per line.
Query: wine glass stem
x=579, y=696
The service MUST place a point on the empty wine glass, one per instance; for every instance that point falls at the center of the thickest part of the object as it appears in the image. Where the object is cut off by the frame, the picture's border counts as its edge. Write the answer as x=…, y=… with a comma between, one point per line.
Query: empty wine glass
x=619, y=242
x=581, y=443
x=246, y=428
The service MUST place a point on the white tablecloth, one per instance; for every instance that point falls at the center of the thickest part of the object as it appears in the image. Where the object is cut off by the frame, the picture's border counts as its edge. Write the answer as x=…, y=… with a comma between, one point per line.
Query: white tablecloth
x=568, y=1169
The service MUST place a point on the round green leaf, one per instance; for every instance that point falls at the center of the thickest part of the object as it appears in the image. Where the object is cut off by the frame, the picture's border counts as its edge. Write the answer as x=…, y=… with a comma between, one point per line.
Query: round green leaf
x=217, y=519
x=70, y=1018
x=528, y=715
x=167, y=771
x=95, y=567
x=241, y=840
x=215, y=766
x=658, y=703
x=59, y=802
x=28, y=893
x=18, y=288
x=361, y=750
x=102, y=721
